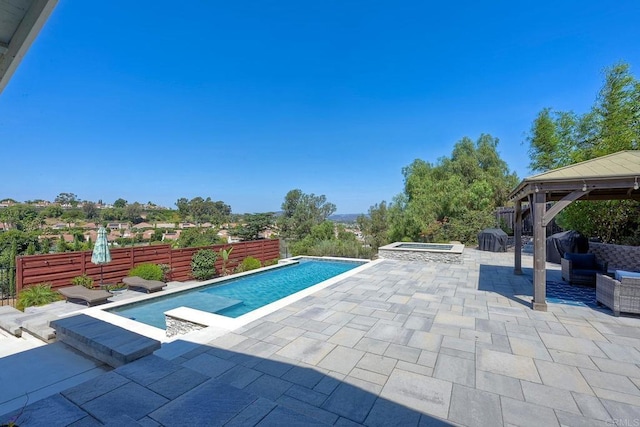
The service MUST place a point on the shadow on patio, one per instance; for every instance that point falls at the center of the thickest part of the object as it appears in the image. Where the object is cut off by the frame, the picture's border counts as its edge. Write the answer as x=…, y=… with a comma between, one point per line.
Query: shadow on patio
x=204, y=385
x=519, y=288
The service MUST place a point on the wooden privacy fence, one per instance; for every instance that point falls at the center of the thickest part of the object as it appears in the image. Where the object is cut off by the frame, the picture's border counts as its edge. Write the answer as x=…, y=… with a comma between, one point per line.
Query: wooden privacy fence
x=59, y=269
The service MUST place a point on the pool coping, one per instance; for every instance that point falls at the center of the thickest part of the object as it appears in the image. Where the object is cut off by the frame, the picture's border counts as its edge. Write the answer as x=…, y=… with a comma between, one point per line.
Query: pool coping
x=456, y=248
x=215, y=324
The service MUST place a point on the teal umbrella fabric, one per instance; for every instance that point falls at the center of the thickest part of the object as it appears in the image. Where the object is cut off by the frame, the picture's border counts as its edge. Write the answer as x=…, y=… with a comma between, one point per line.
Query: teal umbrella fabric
x=101, y=254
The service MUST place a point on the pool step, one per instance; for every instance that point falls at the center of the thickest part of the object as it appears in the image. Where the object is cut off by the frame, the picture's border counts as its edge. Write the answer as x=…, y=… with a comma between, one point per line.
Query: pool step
x=104, y=341
x=216, y=303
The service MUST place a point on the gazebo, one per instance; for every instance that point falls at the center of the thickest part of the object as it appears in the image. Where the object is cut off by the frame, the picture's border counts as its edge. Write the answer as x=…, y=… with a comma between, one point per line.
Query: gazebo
x=611, y=177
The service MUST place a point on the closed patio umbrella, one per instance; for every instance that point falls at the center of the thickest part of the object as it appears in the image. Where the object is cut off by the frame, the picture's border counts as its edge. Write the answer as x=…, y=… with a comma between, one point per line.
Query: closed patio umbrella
x=101, y=254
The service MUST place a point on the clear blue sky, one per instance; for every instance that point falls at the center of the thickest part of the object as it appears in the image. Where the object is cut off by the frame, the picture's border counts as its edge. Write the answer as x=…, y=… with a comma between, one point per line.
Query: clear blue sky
x=243, y=101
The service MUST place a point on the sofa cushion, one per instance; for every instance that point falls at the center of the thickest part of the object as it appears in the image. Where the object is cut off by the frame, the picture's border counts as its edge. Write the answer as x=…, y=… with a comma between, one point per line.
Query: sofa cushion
x=581, y=261
x=622, y=273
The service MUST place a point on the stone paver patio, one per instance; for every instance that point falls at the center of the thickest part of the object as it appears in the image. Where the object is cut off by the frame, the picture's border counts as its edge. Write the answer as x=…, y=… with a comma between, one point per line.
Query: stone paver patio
x=401, y=343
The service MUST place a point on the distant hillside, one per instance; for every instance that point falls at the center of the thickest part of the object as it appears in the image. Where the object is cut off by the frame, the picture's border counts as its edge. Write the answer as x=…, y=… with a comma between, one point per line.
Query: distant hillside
x=344, y=217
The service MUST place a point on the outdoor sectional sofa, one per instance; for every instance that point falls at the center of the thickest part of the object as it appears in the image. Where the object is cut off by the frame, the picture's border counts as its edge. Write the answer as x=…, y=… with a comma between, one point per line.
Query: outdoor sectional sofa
x=148, y=285
x=620, y=293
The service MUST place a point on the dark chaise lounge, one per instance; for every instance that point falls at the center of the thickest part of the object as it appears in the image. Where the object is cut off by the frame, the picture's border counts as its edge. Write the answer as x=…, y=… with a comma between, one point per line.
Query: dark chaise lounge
x=148, y=285
x=89, y=296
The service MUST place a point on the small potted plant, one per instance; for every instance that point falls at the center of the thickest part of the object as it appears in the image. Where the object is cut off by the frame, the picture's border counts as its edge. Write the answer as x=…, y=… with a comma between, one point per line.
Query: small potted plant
x=117, y=289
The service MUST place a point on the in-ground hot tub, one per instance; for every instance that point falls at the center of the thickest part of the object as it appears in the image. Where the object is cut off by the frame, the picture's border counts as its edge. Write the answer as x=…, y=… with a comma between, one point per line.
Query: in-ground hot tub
x=413, y=251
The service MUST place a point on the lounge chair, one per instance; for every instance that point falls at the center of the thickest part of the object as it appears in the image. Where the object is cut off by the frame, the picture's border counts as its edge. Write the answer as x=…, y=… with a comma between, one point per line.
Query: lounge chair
x=148, y=285
x=89, y=296
x=581, y=269
x=620, y=293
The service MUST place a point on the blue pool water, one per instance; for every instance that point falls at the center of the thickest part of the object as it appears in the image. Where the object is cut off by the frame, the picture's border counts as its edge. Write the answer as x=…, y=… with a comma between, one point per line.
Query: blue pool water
x=235, y=297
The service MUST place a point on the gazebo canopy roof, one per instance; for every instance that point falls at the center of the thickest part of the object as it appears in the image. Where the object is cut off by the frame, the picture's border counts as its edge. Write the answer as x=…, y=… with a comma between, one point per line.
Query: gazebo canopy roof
x=614, y=176
x=20, y=22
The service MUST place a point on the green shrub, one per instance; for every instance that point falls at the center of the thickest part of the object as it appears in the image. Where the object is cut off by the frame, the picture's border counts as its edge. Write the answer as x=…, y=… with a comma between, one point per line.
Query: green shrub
x=337, y=248
x=166, y=272
x=147, y=271
x=116, y=287
x=203, y=264
x=83, y=280
x=36, y=295
x=269, y=262
x=249, y=263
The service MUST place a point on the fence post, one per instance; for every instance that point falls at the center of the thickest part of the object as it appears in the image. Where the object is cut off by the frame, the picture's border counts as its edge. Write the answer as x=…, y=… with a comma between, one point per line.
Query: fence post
x=18, y=275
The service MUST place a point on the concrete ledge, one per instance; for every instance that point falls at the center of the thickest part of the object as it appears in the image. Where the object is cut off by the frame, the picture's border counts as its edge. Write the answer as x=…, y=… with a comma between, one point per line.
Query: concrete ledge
x=430, y=252
x=108, y=343
x=8, y=316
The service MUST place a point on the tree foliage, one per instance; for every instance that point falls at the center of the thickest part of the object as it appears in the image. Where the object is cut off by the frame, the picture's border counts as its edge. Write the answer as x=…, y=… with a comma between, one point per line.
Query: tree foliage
x=14, y=243
x=560, y=138
x=301, y=212
x=120, y=203
x=90, y=210
x=201, y=210
x=196, y=237
x=254, y=224
x=67, y=199
x=375, y=226
x=452, y=199
x=20, y=216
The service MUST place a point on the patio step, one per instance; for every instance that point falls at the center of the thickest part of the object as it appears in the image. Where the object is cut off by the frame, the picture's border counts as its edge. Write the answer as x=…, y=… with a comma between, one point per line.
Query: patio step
x=8, y=316
x=38, y=326
x=104, y=341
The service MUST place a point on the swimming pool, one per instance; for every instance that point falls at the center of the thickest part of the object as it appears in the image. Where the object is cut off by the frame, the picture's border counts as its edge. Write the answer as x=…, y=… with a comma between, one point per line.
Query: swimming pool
x=236, y=297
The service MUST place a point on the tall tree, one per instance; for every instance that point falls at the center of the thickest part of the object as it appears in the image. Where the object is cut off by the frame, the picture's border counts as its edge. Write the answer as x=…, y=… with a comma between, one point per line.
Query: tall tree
x=301, y=212
x=201, y=210
x=90, y=210
x=613, y=124
x=67, y=199
x=133, y=212
x=618, y=110
x=253, y=225
x=443, y=201
x=375, y=226
x=120, y=203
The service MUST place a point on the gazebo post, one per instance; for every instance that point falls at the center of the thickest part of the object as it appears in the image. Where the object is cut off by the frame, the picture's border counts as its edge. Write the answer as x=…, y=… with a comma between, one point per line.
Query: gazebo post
x=539, y=253
x=518, y=238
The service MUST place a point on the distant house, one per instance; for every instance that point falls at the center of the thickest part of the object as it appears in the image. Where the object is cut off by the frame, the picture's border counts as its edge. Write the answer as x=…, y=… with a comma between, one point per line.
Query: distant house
x=142, y=226
x=187, y=225
x=171, y=235
x=165, y=225
x=148, y=234
x=206, y=225
x=118, y=226
x=90, y=235
x=90, y=226
x=59, y=226
x=266, y=234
